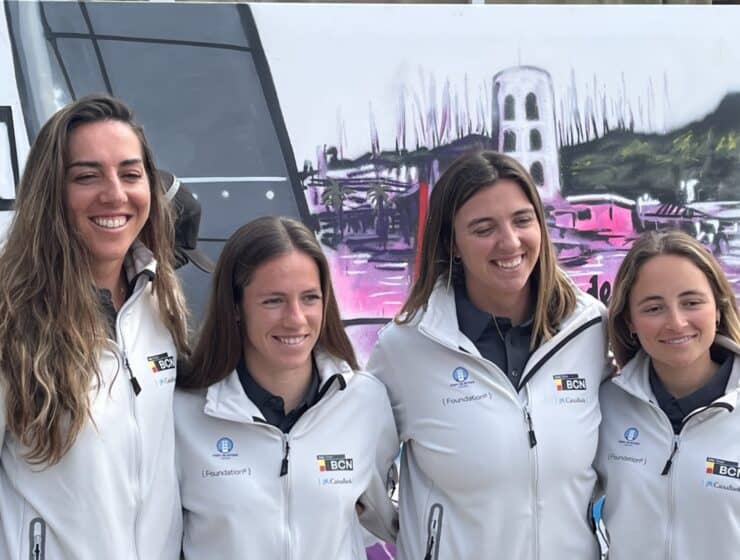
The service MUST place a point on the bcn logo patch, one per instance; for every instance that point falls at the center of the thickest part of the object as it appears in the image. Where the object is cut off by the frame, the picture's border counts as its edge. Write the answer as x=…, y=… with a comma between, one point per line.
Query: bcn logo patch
x=721, y=467
x=161, y=362
x=334, y=463
x=569, y=382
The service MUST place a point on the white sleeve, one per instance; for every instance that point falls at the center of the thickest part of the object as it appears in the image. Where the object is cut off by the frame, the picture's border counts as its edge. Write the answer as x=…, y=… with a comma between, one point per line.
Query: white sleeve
x=380, y=514
x=380, y=367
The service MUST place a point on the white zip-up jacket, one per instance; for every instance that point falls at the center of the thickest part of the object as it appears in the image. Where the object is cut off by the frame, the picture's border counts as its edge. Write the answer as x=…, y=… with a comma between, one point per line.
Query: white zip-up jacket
x=691, y=512
x=249, y=491
x=486, y=472
x=114, y=494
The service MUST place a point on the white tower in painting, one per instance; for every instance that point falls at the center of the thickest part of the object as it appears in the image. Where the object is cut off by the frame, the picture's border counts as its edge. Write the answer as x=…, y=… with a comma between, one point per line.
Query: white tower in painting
x=525, y=101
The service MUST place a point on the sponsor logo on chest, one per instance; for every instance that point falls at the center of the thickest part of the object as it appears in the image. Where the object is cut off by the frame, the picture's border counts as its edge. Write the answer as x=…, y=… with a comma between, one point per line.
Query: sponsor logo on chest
x=461, y=378
x=161, y=362
x=725, y=469
x=722, y=467
x=569, y=382
x=163, y=367
x=328, y=463
x=225, y=448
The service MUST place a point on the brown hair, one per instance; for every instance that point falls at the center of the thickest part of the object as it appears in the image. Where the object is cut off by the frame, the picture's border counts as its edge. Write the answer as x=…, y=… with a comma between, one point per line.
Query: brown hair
x=51, y=326
x=555, y=294
x=219, y=347
x=653, y=244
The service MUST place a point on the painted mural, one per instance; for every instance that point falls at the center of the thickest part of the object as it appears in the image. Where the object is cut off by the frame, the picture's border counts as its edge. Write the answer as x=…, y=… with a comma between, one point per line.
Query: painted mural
x=628, y=118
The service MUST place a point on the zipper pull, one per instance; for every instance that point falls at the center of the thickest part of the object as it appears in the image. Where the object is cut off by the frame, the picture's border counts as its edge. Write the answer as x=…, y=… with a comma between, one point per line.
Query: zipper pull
x=532, y=437
x=430, y=547
x=132, y=377
x=284, y=464
x=669, y=462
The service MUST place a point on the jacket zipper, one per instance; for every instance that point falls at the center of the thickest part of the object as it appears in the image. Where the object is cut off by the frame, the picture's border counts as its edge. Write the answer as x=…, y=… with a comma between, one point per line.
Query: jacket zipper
x=434, y=531
x=136, y=389
x=533, y=476
x=37, y=539
x=672, y=459
x=671, y=496
x=286, y=500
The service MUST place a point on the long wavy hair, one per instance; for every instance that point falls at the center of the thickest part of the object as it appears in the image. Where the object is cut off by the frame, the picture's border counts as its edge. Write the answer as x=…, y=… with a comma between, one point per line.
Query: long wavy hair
x=220, y=343
x=52, y=328
x=653, y=244
x=555, y=296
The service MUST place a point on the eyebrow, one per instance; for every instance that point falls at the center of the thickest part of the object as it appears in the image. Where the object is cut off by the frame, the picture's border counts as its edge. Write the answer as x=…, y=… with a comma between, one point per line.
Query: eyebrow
x=98, y=165
x=682, y=294
x=485, y=219
x=308, y=291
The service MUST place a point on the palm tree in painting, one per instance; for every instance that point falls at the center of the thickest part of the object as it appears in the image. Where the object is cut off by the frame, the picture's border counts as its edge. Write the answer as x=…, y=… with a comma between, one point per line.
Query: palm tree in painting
x=379, y=199
x=333, y=197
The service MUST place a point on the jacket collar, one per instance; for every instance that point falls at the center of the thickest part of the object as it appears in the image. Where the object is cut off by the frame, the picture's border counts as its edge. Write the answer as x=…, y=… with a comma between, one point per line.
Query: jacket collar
x=634, y=376
x=439, y=320
x=139, y=261
x=227, y=400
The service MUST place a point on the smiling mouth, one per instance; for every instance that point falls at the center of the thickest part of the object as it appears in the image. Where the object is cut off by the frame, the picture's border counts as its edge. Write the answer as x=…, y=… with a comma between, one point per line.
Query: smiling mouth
x=509, y=264
x=112, y=222
x=291, y=340
x=678, y=340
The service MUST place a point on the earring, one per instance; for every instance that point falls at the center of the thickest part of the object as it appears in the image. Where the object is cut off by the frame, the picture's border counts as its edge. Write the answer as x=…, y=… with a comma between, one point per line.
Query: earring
x=456, y=259
x=633, y=336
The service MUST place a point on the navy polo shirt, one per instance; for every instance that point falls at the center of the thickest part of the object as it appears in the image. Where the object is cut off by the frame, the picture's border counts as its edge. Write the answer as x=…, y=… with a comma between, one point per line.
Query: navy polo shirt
x=506, y=346
x=678, y=409
x=272, y=406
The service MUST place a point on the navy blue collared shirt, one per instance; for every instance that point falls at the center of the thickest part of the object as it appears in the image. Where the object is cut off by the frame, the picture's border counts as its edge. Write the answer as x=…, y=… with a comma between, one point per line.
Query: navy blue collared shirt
x=678, y=409
x=506, y=346
x=272, y=406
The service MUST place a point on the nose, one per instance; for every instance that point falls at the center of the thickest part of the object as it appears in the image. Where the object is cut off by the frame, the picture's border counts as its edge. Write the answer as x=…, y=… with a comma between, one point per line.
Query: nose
x=113, y=190
x=294, y=314
x=676, y=319
x=508, y=239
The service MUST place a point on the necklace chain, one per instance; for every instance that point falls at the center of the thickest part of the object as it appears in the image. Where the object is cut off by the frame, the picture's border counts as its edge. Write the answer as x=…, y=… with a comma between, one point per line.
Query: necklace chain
x=498, y=329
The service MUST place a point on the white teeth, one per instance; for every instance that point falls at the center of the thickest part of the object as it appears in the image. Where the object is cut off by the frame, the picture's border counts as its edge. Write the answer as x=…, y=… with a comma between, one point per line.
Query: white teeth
x=680, y=340
x=510, y=263
x=291, y=340
x=110, y=223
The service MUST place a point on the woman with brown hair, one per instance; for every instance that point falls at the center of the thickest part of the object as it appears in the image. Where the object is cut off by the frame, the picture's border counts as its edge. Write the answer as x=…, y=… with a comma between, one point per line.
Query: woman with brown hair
x=278, y=436
x=92, y=321
x=493, y=367
x=670, y=439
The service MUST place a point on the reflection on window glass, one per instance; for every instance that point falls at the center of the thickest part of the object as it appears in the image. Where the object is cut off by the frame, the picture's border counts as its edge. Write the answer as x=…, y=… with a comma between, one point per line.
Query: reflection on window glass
x=64, y=17
x=204, y=108
x=82, y=66
x=45, y=89
x=210, y=23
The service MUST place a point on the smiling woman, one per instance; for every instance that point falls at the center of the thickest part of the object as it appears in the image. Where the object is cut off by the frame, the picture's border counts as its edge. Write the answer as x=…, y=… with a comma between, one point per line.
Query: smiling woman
x=669, y=440
x=493, y=368
x=91, y=323
x=296, y=428
x=107, y=197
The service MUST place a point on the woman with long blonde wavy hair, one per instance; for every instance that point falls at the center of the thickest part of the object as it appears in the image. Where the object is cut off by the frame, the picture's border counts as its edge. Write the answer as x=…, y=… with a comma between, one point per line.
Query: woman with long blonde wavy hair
x=92, y=320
